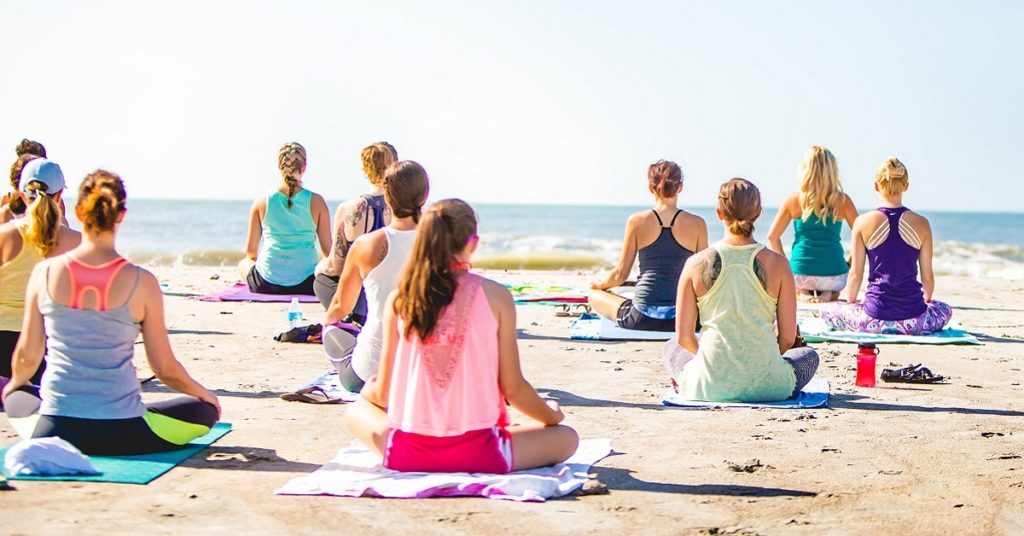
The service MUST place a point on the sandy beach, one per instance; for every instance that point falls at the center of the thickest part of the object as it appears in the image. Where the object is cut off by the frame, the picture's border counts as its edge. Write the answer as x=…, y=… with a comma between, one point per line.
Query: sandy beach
x=903, y=458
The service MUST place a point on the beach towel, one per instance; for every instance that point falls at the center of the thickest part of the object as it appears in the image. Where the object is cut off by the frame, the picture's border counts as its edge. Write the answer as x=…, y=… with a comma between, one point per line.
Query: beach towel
x=355, y=472
x=814, y=395
x=139, y=469
x=546, y=295
x=327, y=384
x=239, y=292
x=815, y=330
x=593, y=327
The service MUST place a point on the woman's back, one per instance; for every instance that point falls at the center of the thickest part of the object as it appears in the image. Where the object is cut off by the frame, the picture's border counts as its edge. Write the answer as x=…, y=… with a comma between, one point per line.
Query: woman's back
x=448, y=385
x=738, y=356
x=817, y=247
x=662, y=253
x=91, y=323
x=893, y=249
x=288, y=253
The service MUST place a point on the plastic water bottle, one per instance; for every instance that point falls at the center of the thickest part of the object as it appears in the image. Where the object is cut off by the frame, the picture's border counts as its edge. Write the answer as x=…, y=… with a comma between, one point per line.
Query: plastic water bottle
x=866, y=355
x=294, y=313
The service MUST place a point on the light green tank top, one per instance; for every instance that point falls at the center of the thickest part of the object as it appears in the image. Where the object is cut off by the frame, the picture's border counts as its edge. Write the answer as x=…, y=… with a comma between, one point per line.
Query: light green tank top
x=288, y=253
x=738, y=357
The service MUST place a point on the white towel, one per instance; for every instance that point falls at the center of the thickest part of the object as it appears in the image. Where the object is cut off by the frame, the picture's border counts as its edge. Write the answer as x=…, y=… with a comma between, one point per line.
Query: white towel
x=47, y=456
x=355, y=472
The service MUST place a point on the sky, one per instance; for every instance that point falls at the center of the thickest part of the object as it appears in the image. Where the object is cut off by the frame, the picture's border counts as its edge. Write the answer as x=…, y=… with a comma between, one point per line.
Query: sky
x=556, y=102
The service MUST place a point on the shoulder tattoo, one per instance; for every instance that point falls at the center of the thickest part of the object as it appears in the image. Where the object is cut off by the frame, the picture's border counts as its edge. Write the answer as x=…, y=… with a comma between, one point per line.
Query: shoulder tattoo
x=357, y=214
x=710, y=267
x=761, y=273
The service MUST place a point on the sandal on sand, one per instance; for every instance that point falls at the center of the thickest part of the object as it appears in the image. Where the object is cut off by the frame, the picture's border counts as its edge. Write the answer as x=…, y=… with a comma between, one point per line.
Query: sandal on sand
x=310, y=334
x=311, y=395
x=574, y=311
x=911, y=374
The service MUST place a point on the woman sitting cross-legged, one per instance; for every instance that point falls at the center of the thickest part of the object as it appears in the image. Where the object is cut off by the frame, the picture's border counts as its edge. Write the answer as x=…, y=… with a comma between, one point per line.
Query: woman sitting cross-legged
x=746, y=299
x=85, y=309
x=896, y=241
x=663, y=237
x=449, y=362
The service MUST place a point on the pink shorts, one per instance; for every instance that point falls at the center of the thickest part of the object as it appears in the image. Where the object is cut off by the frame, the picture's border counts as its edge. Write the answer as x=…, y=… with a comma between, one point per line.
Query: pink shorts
x=478, y=451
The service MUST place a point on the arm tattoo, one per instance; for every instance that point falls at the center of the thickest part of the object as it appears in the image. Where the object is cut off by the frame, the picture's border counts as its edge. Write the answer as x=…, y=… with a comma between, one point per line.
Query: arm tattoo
x=356, y=215
x=710, y=267
x=761, y=273
x=341, y=246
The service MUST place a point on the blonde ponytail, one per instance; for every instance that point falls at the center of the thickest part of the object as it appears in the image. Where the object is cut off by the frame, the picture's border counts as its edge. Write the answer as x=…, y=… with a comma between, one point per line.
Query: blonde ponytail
x=44, y=217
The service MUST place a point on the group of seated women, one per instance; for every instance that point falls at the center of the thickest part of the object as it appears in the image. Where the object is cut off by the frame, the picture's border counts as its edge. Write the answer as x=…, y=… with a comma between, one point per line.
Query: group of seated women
x=434, y=351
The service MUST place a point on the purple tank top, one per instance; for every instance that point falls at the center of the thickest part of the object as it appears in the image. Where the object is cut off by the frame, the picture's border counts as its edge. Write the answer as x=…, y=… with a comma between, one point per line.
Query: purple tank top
x=893, y=293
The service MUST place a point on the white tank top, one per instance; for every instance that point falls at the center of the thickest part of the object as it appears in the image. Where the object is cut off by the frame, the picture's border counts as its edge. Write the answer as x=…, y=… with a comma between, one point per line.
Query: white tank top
x=378, y=285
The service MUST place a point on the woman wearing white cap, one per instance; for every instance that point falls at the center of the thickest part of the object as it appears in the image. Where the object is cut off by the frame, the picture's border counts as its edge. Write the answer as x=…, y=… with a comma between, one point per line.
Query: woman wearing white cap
x=25, y=242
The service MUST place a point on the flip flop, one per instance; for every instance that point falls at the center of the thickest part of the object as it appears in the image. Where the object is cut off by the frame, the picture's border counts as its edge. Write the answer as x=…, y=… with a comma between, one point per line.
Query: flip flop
x=912, y=374
x=311, y=395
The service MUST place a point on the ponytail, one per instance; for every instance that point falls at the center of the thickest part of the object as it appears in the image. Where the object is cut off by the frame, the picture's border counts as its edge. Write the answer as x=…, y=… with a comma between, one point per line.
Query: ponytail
x=291, y=160
x=428, y=283
x=17, y=203
x=101, y=200
x=739, y=201
x=43, y=219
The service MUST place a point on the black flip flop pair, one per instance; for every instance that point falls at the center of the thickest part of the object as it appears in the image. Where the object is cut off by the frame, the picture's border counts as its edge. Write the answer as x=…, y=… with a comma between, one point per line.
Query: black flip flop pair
x=912, y=374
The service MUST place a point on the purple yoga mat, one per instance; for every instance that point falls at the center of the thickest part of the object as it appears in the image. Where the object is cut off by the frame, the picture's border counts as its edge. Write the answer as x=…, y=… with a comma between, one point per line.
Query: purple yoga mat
x=240, y=292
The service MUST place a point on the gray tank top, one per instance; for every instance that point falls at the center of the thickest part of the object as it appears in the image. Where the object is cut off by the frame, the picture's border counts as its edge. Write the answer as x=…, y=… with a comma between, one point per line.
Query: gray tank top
x=89, y=372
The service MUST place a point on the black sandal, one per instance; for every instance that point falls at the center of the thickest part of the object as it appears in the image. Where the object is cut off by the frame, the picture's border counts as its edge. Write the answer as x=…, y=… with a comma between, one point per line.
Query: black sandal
x=911, y=374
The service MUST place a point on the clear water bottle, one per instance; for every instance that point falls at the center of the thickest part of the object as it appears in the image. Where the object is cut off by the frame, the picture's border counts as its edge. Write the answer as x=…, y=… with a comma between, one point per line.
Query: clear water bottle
x=294, y=313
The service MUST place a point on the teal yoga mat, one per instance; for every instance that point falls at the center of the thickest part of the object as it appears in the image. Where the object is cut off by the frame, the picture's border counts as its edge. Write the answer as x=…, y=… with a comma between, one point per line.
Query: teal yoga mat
x=814, y=330
x=140, y=469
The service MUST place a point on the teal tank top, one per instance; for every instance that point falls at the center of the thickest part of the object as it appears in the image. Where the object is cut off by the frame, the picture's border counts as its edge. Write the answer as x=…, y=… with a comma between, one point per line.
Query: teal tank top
x=817, y=248
x=288, y=253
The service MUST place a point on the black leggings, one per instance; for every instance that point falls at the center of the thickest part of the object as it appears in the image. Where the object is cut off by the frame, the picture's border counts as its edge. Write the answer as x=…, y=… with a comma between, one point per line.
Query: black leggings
x=181, y=419
x=259, y=285
x=8, y=340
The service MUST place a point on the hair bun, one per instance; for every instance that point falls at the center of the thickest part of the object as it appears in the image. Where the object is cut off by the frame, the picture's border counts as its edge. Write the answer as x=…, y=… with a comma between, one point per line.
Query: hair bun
x=895, y=169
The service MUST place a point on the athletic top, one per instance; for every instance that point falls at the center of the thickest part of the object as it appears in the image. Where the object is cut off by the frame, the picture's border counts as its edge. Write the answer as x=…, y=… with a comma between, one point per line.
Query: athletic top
x=89, y=372
x=288, y=252
x=448, y=385
x=14, y=276
x=661, y=264
x=379, y=283
x=738, y=356
x=817, y=247
x=893, y=292
x=376, y=205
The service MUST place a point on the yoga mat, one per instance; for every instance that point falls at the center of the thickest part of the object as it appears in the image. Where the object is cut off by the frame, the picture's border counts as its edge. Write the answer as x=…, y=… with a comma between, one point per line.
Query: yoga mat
x=814, y=395
x=546, y=295
x=355, y=472
x=239, y=292
x=140, y=469
x=592, y=327
x=815, y=330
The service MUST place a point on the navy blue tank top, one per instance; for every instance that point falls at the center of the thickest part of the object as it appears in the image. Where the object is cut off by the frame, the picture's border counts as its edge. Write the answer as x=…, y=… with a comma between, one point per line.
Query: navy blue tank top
x=661, y=264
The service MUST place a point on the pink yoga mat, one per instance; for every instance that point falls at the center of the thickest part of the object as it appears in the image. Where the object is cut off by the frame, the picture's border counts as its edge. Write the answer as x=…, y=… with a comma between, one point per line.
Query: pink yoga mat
x=239, y=292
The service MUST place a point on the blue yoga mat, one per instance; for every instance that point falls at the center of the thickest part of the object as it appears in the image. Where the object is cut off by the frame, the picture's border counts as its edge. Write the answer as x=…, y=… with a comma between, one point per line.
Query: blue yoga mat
x=814, y=395
x=592, y=327
x=140, y=469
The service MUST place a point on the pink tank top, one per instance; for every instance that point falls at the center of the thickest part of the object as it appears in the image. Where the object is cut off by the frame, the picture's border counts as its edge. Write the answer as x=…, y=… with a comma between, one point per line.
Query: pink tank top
x=448, y=385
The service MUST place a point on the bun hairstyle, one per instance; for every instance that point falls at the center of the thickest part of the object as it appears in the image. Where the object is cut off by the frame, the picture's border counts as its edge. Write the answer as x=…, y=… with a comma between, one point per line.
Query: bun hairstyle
x=291, y=160
x=101, y=201
x=376, y=159
x=428, y=284
x=892, y=177
x=820, y=188
x=665, y=178
x=44, y=217
x=739, y=201
x=405, y=189
x=17, y=203
x=30, y=147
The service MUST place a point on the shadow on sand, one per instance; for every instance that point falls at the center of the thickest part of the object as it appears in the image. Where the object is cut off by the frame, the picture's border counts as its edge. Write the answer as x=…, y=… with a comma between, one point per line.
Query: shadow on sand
x=848, y=401
x=246, y=459
x=566, y=398
x=623, y=479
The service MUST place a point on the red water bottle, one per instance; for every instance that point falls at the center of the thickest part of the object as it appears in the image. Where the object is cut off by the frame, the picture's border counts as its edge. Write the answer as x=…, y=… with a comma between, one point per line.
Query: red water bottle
x=867, y=353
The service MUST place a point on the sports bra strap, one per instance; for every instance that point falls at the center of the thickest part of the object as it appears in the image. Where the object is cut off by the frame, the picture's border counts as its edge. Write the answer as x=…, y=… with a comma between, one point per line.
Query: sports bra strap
x=660, y=224
x=673, y=222
x=97, y=280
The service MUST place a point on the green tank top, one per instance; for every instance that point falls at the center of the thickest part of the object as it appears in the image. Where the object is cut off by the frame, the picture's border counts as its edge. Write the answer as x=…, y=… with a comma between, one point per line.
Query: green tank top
x=288, y=253
x=738, y=356
x=817, y=247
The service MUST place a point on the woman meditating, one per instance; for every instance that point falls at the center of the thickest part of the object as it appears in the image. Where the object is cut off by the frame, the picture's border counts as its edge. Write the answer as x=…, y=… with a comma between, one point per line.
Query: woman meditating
x=24, y=243
x=817, y=211
x=664, y=238
x=353, y=219
x=449, y=363
x=285, y=229
x=745, y=296
x=85, y=310
x=375, y=263
x=895, y=241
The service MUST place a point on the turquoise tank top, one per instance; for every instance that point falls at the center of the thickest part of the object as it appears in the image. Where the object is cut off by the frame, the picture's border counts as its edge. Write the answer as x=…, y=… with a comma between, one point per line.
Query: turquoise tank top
x=288, y=253
x=817, y=248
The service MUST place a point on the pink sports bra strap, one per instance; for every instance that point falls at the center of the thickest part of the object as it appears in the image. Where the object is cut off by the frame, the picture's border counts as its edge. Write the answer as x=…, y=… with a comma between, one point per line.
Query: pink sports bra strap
x=97, y=280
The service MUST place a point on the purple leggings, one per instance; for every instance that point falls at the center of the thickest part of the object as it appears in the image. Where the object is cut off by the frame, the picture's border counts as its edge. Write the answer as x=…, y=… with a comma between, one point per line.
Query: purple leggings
x=852, y=317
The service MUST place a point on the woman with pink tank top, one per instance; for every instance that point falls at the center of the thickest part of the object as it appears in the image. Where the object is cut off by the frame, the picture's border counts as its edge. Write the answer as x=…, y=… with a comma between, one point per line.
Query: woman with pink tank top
x=449, y=362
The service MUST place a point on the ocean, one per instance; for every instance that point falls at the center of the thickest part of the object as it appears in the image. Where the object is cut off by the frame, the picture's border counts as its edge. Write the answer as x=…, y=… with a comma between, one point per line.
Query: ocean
x=544, y=237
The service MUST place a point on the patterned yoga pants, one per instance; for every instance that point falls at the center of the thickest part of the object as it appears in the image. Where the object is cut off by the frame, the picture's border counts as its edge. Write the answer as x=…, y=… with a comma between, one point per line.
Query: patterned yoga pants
x=852, y=317
x=804, y=361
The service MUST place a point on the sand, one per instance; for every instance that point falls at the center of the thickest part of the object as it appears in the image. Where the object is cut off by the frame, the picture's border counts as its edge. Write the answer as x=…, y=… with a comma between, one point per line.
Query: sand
x=914, y=459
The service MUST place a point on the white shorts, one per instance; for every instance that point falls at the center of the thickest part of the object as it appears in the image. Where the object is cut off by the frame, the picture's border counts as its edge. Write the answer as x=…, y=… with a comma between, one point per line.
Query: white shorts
x=820, y=283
